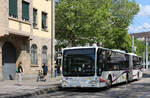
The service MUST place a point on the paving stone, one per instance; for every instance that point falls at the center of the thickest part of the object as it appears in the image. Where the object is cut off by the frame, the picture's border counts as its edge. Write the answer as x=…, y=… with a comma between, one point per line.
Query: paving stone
x=28, y=87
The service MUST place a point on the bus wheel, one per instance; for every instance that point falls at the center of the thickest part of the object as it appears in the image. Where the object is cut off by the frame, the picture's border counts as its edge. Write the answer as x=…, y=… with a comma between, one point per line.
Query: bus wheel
x=127, y=78
x=109, y=82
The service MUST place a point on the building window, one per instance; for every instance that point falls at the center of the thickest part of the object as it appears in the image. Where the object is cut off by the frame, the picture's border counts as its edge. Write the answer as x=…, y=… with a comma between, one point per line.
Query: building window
x=25, y=11
x=13, y=8
x=33, y=54
x=44, y=20
x=44, y=55
x=34, y=17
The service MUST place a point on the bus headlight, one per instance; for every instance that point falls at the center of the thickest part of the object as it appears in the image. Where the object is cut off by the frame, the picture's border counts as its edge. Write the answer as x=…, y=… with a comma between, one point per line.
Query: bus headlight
x=64, y=82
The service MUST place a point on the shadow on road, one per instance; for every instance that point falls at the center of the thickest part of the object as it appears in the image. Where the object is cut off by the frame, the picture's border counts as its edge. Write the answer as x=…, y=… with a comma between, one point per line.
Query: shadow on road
x=83, y=89
x=121, y=90
x=91, y=89
x=134, y=89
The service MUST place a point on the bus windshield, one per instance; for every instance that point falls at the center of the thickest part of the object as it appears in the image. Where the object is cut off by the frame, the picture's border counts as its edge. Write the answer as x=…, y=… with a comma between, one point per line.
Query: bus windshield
x=79, y=62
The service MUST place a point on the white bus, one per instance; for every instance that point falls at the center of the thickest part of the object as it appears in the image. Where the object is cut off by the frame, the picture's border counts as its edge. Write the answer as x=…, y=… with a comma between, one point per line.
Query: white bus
x=98, y=67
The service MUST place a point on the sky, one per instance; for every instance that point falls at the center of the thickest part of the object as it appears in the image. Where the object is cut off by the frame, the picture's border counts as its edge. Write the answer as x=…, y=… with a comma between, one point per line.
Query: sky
x=141, y=22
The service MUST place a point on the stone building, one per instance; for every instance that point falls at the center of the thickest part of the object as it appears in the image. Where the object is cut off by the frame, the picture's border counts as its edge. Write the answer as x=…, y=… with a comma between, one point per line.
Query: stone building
x=27, y=35
x=141, y=35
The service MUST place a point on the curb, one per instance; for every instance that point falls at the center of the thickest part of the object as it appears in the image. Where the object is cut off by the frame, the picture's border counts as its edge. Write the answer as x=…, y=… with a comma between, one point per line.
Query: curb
x=38, y=92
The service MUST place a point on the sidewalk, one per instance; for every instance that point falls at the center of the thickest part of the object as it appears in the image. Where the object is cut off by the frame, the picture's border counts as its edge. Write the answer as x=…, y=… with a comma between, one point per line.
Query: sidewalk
x=11, y=89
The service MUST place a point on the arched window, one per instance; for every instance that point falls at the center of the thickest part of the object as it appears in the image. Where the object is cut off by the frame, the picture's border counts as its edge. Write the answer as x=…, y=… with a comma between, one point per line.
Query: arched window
x=33, y=54
x=44, y=55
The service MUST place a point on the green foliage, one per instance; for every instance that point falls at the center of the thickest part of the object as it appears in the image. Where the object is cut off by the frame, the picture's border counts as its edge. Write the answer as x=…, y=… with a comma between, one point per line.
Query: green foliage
x=140, y=47
x=105, y=22
x=123, y=12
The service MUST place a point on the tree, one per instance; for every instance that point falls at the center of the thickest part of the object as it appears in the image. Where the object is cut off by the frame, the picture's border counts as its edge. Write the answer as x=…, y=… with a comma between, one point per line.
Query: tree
x=82, y=21
x=79, y=22
x=123, y=12
x=140, y=47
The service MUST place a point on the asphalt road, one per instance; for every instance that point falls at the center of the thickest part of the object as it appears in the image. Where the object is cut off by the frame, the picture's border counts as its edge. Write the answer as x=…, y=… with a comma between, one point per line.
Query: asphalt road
x=135, y=89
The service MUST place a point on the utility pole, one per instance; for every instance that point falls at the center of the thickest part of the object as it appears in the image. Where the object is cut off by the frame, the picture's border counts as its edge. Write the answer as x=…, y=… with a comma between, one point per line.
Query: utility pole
x=52, y=36
x=132, y=43
x=144, y=64
x=146, y=39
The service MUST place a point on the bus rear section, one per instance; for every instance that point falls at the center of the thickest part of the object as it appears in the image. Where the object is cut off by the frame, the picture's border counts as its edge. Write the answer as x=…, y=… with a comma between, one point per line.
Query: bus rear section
x=137, y=67
x=112, y=66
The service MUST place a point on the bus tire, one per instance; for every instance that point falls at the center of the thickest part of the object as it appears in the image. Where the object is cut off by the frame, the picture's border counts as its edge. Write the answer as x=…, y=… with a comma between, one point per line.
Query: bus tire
x=127, y=78
x=109, y=82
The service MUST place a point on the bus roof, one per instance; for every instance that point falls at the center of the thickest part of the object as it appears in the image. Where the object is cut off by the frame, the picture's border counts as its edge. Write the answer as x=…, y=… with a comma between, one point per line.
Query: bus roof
x=94, y=47
x=79, y=47
x=132, y=54
x=115, y=50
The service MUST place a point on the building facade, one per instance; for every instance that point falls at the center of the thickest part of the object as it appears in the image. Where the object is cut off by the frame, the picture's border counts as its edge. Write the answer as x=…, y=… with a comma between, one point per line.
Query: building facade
x=141, y=35
x=26, y=34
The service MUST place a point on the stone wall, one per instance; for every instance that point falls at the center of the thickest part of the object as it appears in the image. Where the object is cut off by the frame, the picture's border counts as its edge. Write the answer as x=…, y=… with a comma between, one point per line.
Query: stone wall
x=40, y=42
x=3, y=17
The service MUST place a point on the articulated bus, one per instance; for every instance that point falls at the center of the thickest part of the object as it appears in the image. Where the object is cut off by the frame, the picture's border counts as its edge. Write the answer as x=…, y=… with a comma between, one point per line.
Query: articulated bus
x=98, y=67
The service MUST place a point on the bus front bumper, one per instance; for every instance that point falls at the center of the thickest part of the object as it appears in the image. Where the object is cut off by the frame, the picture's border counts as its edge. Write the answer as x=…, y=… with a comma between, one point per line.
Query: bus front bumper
x=82, y=85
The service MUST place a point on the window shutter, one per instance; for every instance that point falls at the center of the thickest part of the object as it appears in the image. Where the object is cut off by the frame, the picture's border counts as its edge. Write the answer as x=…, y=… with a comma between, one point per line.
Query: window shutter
x=25, y=10
x=44, y=19
x=34, y=54
x=44, y=55
x=34, y=17
x=13, y=8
